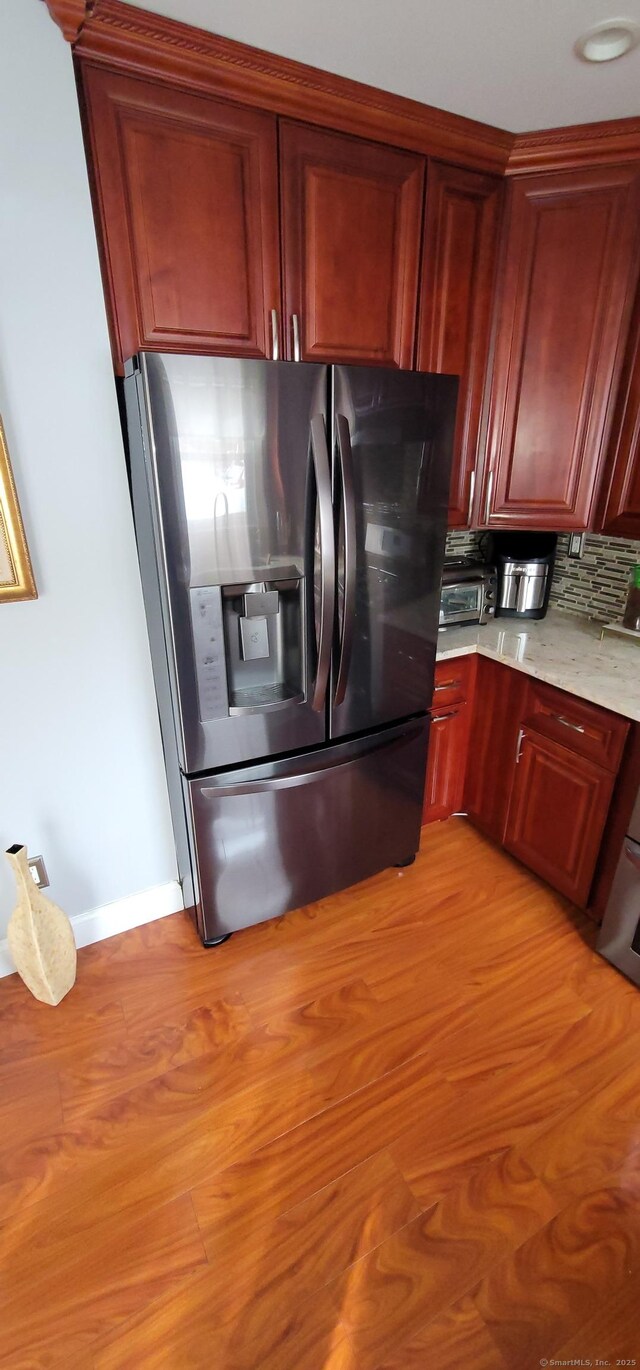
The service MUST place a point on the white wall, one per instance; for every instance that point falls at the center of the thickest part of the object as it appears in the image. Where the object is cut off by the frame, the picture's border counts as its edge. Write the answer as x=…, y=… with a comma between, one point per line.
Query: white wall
x=81, y=772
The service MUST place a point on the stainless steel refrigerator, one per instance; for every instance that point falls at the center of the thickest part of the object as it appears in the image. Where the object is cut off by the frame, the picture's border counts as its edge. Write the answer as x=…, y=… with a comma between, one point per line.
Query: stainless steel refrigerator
x=290, y=520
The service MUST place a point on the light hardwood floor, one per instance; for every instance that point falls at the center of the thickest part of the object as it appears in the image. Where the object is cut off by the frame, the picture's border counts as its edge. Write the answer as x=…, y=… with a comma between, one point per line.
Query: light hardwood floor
x=398, y=1130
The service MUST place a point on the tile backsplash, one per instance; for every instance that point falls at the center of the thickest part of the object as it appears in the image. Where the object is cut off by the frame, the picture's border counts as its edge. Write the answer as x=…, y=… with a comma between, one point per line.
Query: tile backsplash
x=463, y=544
x=595, y=584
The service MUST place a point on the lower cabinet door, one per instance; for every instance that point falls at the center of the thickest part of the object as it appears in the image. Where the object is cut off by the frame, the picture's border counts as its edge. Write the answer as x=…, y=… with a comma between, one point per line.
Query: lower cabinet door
x=446, y=764
x=498, y=709
x=558, y=809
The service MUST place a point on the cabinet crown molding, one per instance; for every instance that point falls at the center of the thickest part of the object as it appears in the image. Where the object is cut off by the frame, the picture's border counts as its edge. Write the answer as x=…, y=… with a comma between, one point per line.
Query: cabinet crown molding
x=137, y=42
x=566, y=149
x=116, y=35
x=69, y=15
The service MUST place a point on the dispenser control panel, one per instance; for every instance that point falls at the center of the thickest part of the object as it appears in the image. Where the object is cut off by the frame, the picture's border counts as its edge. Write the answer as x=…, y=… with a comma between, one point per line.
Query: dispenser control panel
x=208, y=641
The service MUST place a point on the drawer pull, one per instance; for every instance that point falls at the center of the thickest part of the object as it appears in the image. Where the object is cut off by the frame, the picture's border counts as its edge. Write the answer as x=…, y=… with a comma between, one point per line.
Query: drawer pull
x=519, y=745
x=295, y=324
x=472, y=490
x=487, y=512
x=448, y=685
x=275, y=344
x=577, y=727
x=440, y=718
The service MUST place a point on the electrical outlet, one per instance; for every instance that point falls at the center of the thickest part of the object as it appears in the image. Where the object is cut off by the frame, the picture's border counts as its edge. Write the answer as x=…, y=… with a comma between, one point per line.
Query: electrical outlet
x=576, y=545
x=38, y=871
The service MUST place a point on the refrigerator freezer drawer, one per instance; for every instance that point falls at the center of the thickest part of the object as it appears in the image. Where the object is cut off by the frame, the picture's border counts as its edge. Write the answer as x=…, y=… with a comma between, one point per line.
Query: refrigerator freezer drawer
x=619, y=939
x=276, y=836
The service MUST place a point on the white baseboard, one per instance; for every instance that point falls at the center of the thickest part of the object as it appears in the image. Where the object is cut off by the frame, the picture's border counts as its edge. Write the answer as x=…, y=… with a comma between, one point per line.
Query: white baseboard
x=110, y=919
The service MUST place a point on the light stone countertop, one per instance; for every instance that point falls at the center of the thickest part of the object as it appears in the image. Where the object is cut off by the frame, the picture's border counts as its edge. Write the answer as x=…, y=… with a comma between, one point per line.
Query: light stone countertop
x=563, y=649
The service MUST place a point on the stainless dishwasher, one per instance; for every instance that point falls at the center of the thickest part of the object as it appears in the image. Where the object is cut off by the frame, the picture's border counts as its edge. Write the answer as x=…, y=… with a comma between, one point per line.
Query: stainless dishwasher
x=619, y=939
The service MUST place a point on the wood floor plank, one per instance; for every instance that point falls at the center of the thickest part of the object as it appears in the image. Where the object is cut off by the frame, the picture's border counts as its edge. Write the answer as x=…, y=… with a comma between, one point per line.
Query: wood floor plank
x=323, y=1234
x=454, y=1340
x=437, y=1258
x=611, y=1333
x=152, y=1141
x=141, y=1057
x=297, y=1164
x=498, y=1111
x=120, y=1266
x=30, y=1105
x=220, y=1319
x=279, y=1266
x=30, y=1031
x=542, y=1294
x=395, y=1130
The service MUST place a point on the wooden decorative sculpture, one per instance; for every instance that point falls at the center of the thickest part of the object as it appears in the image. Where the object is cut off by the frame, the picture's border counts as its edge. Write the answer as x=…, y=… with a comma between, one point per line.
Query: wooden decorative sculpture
x=40, y=937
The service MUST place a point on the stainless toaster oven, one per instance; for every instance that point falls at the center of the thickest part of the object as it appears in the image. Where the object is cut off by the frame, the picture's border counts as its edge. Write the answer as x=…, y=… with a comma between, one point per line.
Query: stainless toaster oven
x=468, y=592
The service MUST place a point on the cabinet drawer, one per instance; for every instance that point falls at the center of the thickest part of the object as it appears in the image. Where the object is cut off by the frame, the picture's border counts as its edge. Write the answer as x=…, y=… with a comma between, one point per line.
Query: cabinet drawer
x=584, y=728
x=452, y=682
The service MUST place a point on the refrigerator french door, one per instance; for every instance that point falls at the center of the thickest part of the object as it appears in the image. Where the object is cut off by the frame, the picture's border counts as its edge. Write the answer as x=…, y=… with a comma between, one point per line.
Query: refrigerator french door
x=290, y=520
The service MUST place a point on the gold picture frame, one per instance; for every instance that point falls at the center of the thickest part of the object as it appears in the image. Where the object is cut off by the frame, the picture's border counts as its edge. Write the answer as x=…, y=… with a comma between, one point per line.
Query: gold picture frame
x=16, y=574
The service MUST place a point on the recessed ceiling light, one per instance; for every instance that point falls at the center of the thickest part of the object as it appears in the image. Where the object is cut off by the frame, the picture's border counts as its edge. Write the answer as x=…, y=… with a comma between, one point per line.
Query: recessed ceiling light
x=604, y=42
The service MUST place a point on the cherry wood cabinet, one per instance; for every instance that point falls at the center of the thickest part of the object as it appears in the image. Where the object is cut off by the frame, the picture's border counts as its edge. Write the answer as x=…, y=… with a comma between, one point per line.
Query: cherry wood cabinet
x=448, y=738
x=569, y=265
x=621, y=513
x=541, y=770
x=557, y=813
x=497, y=710
x=351, y=226
x=459, y=253
x=186, y=190
x=445, y=768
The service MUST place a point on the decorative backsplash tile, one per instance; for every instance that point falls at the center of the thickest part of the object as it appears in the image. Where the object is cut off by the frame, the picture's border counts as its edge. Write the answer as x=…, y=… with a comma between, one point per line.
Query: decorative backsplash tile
x=595, y=584
x=463, y=544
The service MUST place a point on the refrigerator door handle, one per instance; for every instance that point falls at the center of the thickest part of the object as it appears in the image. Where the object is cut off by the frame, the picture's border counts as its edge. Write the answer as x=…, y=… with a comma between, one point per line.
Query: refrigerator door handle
x=320, y=454
x=349, y=513
x=313, y=768
x=279, y=782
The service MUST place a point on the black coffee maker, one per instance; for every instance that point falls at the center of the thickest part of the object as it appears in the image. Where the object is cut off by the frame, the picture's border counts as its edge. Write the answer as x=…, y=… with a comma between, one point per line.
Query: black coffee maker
x=525, y=567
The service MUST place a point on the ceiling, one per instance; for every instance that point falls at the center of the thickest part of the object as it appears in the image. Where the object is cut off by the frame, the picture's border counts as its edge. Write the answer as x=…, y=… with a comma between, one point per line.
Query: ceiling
x=506, y=62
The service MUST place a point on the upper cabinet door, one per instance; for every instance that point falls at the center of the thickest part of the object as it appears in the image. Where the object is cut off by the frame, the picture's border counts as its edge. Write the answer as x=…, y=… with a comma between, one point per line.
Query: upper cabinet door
x=187, y=199
x=568, y=271
x=352, y=215
x=460, y=242
x=622, y=492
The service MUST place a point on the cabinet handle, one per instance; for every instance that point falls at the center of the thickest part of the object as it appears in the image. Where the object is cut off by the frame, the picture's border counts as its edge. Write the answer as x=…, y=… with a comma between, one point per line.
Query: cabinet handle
x=472, y=491
x=487, y=510
x=577, y=727
x=441, y=718
x=448, y=685
x=519, y=743
x=295, y=324
x=275, y=345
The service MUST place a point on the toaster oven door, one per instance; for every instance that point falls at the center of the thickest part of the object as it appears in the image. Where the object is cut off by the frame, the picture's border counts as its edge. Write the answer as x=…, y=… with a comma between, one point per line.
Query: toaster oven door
x=461, y=603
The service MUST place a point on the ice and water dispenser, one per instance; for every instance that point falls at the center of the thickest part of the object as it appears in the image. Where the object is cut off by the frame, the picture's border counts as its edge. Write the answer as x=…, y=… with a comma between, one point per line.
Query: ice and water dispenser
x=249, y=644
x=264, y=634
